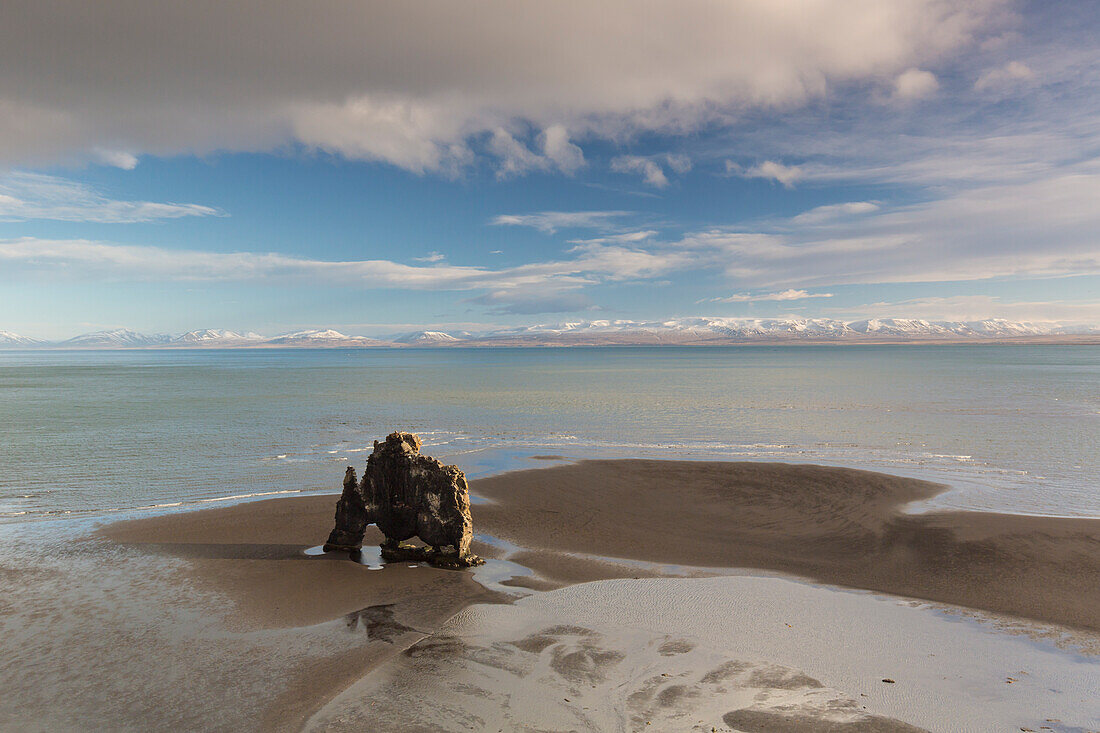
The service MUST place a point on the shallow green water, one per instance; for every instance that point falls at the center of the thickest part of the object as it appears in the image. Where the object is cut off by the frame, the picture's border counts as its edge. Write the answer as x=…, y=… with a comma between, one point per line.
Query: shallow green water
x=1010, y=427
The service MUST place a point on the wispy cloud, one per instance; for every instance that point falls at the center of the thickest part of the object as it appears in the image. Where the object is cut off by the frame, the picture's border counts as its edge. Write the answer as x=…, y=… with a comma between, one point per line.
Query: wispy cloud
x=1035, y=228
x=979, y=307
x=652, y=167
x=782, y=295
x=787, y=175
x=589, y=264
x=116, y=158
x=26, y=196
x=831, y=212
x=620, y=238
x=529, y=301
x=551, y=221
x=1004, y=77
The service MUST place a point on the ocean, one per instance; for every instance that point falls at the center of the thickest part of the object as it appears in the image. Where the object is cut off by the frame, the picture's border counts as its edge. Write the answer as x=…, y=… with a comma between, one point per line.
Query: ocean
x=94, y=433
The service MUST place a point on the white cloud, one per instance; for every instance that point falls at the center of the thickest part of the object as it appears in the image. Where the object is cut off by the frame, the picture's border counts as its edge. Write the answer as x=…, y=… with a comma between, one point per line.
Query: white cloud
x=532, y=300
x=1045, y=227
x=415, y=134
x=835, y=211
x=782, y=295
x=981, y=307
x=1004, y=77
x=117, y=158
x=620, y=238
x=650, y=171
x=588, y=264
x=431, y=257
x=787, y=175
x=652, y=168
x=679, y=163
x=550, y=221
x=557, y=148
x=915, y=84
x=415, y=84
x=26, y=196
x=515, y=158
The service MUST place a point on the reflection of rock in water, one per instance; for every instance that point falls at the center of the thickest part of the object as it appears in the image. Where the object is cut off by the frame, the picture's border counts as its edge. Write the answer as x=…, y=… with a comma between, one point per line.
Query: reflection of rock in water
x=407, y=495
x=379, y=623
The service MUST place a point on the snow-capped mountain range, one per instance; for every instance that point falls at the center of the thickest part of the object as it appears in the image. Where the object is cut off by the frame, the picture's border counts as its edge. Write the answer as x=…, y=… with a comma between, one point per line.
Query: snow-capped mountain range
x=321, y=338
x=427, y=337
x=14, y=340
x=699, y=330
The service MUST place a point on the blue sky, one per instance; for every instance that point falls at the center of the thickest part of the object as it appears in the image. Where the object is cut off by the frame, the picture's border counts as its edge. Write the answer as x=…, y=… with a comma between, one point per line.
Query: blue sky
x=377, y=168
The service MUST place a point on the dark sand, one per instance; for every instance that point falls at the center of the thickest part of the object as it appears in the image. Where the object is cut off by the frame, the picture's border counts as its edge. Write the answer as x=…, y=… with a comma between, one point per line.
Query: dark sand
x=838, y=526
x=252, y=553
x=834, y=525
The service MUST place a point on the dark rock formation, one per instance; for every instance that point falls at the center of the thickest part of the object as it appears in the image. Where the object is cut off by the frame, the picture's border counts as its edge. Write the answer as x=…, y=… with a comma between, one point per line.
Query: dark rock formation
x=407, y=495
x=351, y=518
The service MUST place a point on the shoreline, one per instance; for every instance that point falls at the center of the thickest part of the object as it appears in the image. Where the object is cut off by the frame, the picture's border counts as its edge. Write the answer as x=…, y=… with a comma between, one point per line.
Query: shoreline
x=492, y=461
x=845, y=527
x=229, y=596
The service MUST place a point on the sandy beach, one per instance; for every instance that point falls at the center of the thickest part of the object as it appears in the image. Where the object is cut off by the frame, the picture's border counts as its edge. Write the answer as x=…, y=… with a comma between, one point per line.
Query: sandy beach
x=619, y=595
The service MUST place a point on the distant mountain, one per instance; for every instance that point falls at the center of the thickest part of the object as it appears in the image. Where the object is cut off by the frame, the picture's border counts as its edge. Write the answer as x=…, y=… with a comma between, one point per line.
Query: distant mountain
x=9, y=340
x=426, y=338
x=1001, y=328
x=682, y=331
x=744, y=330
x=322, y=338
x=118, y=338
x=215, y=337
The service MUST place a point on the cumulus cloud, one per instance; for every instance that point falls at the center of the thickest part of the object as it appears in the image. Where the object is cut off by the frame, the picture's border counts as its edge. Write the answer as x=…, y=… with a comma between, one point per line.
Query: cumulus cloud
x=915, y=84
x=783, y=295
x=418, y=83
x=415, y=134
x=27, y=196
x=550, y=221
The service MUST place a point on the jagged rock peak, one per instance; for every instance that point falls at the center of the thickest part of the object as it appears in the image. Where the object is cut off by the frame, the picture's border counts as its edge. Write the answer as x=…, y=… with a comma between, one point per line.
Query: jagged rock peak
x=399, y=443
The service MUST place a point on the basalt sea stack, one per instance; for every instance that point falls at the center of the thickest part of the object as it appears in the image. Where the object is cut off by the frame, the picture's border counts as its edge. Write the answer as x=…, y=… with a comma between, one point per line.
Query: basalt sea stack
x=407, y=495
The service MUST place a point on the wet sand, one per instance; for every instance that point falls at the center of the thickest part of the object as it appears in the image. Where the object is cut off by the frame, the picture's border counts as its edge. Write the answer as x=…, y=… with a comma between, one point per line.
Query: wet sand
x=834, y=525
x=333, y=621
x=695, y=654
